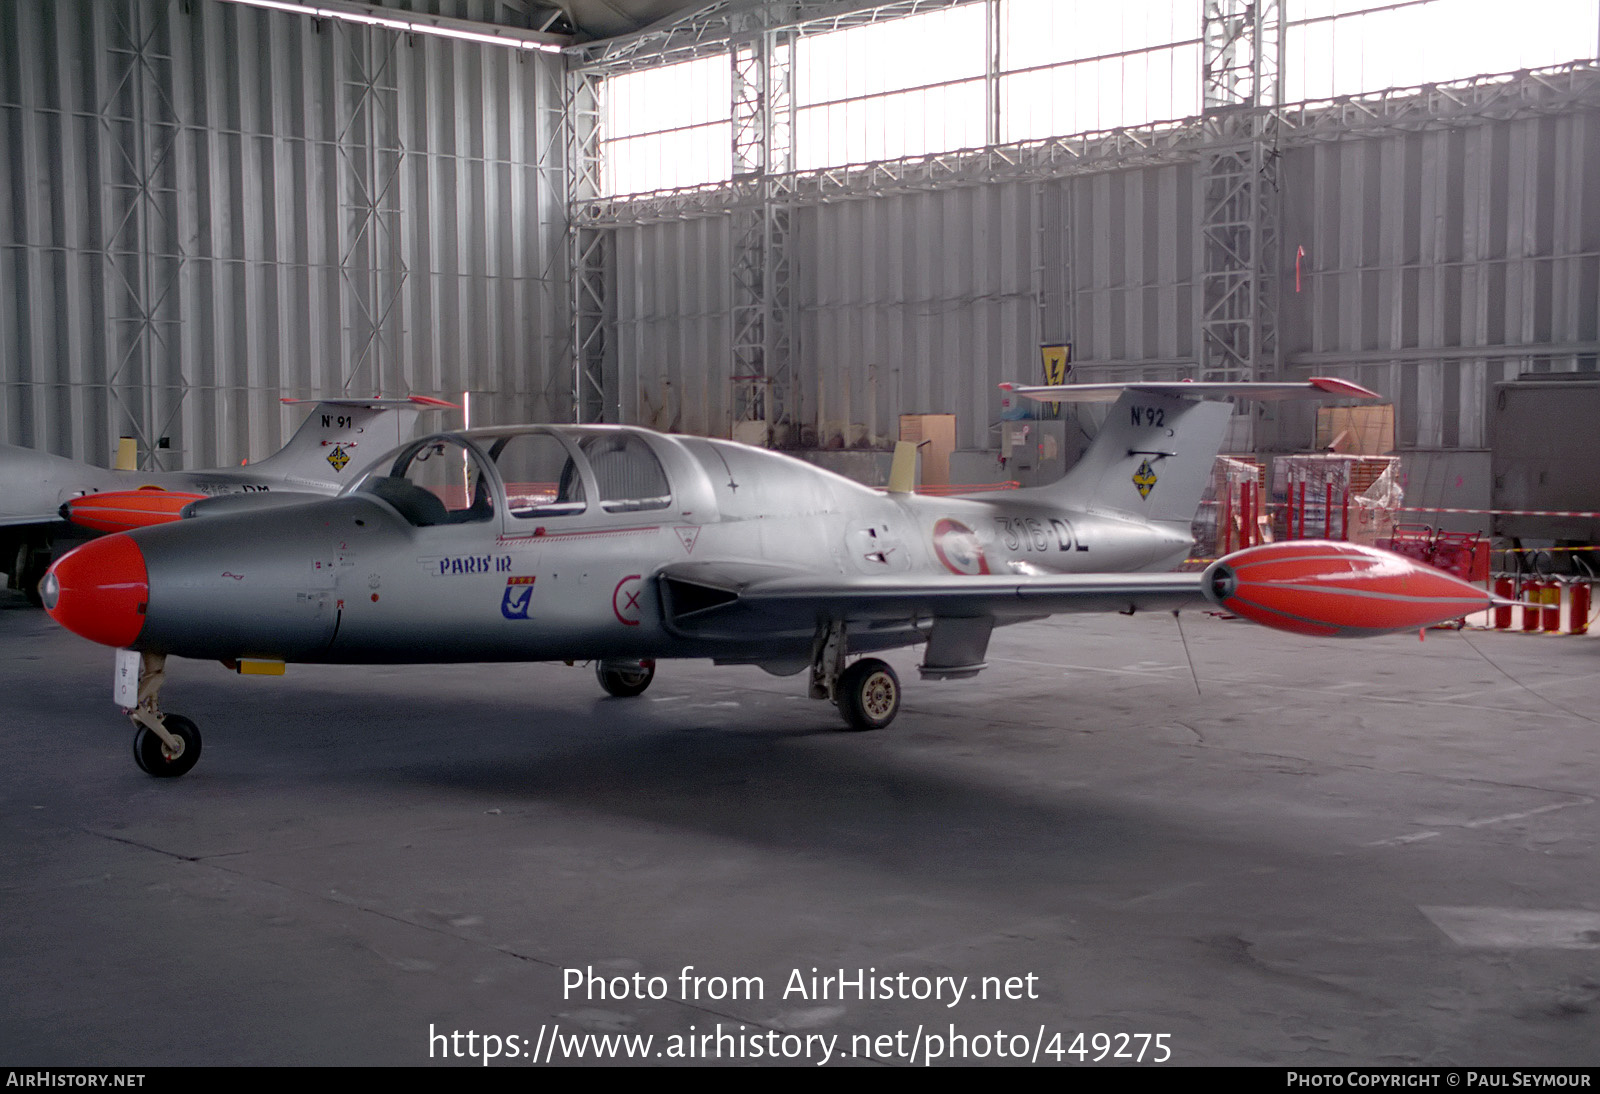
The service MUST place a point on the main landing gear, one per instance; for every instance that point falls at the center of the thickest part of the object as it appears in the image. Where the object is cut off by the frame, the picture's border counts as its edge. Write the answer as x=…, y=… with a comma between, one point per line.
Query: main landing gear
x=28, y=565
x=625, y=679
x=165, y=745
x=867, y=693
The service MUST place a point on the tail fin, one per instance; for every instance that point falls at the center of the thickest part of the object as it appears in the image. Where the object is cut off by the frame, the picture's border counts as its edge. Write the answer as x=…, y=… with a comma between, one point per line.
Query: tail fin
x=342, y=436
x=1150, y=461
x=1153, y=457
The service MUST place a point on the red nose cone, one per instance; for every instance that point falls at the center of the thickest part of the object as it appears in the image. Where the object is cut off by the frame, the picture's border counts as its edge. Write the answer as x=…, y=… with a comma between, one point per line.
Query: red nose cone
x=99, y=591
x=1341, y=589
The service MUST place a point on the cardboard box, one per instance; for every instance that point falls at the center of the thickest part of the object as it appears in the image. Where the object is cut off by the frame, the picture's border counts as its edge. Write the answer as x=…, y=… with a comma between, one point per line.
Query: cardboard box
x=1356, y=430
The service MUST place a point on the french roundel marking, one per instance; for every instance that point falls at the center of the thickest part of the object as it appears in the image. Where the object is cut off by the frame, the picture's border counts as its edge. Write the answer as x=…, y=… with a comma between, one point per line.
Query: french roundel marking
x=958, y=548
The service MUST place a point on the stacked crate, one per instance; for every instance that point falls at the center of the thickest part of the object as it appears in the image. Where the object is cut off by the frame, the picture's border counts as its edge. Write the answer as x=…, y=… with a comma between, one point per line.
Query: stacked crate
x=1335, y=496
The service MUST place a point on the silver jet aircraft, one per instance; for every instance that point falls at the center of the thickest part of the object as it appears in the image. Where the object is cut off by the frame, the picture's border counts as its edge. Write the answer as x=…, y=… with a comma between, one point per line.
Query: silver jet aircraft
x=623, y=546
x=44, y=497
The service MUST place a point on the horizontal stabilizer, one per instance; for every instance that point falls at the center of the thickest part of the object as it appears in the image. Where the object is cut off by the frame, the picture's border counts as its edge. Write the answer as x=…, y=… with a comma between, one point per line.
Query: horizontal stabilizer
x=425, y=402
x=1318, y=387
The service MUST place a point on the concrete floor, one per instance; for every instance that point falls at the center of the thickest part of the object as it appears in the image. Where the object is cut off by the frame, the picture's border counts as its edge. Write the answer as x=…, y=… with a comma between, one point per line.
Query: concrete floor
x=1378, y=852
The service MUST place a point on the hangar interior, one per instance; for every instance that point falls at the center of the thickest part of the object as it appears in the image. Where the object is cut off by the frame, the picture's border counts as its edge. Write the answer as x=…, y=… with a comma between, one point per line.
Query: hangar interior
x=794, y=223
x=786, y=222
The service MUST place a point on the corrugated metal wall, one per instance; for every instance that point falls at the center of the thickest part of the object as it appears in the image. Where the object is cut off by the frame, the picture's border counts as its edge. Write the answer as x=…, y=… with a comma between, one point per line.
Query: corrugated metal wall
x=1435, y=264
x=205, y=206
x=673, y=361
x=924, y=303
x=1439, y=263
x=912, y=305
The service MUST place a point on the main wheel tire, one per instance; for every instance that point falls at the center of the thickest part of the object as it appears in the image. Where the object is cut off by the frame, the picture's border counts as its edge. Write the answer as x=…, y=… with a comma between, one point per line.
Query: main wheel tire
x=627, y=680
x=868, y=693
x=151, y=754
x=32, y=562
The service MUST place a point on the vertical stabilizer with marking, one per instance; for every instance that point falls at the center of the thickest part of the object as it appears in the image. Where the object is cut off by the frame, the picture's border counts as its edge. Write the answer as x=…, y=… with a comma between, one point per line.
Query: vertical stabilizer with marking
x=1153, y=457
x=340, y=438
x=1150, y=461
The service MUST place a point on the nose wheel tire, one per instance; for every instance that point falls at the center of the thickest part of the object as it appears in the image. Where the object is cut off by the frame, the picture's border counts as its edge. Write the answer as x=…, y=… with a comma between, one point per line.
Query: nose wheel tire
x=868, y=694
x=153, y=755
x=625, y=679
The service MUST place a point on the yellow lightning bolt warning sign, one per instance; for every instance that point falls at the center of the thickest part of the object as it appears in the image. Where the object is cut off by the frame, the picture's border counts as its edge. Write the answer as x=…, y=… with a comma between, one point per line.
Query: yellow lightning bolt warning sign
x=1057, y=361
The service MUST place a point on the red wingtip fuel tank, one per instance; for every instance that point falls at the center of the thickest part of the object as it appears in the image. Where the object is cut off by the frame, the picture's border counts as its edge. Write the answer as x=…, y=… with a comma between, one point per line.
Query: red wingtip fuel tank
x=1344, y=590
x=120, y=510
x=99, y=591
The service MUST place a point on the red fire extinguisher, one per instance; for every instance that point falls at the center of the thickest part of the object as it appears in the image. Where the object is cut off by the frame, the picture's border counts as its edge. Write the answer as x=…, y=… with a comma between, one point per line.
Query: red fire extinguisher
x=1532, y=596
x=1550, y=597
x=1504, y=589
x=1580, y=607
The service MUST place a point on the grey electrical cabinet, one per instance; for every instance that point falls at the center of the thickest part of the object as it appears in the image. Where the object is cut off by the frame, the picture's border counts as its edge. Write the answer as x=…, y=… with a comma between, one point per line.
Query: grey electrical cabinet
x=1544, y=437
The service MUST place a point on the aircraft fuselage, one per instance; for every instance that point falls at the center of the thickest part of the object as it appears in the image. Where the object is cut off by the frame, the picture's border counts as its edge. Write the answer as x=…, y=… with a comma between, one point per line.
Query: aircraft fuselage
x=353, y=580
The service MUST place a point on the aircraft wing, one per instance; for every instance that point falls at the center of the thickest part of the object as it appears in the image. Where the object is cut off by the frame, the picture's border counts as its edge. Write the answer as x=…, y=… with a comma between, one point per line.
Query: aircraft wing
x=9, y=520
x=725, y=599
x=1318, y=387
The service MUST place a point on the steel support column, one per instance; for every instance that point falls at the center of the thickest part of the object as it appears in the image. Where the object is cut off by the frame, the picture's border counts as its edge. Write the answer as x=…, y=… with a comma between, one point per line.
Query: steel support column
x=143, y=243
x=1242, y=44
x=762, y=67
x=372, y=268
x=588, y=248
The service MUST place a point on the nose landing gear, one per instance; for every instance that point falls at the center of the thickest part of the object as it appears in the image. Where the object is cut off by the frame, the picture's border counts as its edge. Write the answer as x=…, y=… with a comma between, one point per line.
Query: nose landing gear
x=165, y=745
x=155, y=757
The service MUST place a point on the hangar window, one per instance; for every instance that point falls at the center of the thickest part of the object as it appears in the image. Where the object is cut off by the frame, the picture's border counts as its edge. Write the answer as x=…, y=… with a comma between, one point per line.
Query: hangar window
x=1076, y=66
x=542, y=479
x=629, y=476
x=668, y=126
x=437, y=480
x=899, y=87
x=870, y=84
x=1348, y=47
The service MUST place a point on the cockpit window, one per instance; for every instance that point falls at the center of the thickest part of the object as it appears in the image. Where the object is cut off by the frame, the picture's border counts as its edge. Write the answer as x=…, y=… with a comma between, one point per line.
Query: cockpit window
x=540, y=476
x=628, y=474
x=434, y=481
